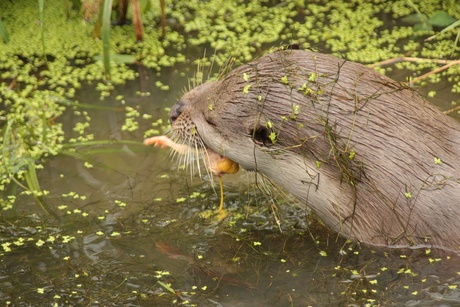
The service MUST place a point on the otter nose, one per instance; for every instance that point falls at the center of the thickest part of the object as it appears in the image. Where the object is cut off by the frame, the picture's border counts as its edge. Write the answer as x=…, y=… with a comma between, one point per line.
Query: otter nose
x=176, y=110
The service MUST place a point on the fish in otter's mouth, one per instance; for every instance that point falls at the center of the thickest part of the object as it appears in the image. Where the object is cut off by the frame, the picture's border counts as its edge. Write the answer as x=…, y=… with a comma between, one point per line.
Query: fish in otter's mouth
x=216, y=163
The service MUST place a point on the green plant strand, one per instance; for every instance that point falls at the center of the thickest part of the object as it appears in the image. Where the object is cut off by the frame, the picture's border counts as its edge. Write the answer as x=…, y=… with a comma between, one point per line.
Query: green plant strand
x=107, y=11
x=41, y=5
x=4, y=33
x=34, y=187
x=102, y=142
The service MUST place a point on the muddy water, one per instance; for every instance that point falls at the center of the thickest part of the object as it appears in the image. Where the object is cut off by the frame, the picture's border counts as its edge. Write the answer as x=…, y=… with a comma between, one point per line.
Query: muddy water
x=128, y=232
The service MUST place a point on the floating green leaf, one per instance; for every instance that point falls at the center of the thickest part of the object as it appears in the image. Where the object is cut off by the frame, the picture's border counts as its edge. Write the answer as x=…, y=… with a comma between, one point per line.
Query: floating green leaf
x=441, y=19
x=273, y=137
x=423, y=26
x=414, y=18
x=166, y=286
x=284, y=80
x=246, y=88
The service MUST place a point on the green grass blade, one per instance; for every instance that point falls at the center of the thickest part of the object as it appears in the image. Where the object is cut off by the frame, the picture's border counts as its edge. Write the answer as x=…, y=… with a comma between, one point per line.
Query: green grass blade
x=4, y=33
x=83, y=105
x=106, y=150
x=34, y=187
x=107, y=11
x=167, y=287
x=30, y=174
x=423, y=17
x=41, y=6
x=45, y=128
x=6, y=160
x=102, y=142
x=456, y=41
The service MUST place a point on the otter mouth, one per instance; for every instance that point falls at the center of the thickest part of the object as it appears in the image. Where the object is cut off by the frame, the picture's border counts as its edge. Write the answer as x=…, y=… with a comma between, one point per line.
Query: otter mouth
x=216, y=163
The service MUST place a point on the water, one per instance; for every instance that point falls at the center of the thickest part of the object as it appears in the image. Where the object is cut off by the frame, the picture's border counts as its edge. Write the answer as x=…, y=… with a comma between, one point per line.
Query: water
x=128, y=233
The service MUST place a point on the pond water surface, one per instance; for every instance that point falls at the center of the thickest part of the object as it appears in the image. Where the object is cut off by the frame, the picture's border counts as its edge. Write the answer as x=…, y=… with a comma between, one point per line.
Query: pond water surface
x=129, y=233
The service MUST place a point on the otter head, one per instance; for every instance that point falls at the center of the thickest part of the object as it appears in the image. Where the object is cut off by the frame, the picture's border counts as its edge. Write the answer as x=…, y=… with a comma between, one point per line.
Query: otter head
x=238, y=116
x=211, y=116
x=268, y=116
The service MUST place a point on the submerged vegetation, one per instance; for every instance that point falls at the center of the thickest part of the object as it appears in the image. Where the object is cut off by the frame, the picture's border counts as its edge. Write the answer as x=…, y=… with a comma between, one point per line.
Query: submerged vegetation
x=50, y=53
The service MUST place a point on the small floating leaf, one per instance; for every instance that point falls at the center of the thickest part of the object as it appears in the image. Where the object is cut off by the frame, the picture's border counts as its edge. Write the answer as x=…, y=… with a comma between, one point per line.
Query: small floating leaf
x=408, y=195
x=273, y=137
x=295, y=109
x=166, y=286
x=284, y=80
x=351, y=155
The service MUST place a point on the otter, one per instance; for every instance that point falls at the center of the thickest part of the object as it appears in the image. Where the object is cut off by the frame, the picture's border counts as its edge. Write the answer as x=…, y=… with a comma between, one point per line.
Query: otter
x=373, y=160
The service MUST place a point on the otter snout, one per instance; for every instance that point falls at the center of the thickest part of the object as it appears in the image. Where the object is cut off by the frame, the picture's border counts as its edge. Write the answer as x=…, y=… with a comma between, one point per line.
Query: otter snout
x=176, y=111
x=188, y=100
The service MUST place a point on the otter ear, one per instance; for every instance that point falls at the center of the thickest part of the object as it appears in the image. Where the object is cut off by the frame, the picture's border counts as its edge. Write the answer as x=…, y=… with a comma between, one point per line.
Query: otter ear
x=262, y=136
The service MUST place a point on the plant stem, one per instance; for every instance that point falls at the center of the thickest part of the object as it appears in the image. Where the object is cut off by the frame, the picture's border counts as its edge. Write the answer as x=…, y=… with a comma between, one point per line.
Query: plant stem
x=107, y=11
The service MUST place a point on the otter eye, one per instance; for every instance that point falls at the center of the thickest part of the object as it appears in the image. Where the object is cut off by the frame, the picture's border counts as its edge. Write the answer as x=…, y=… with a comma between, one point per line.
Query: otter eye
x=261, y=136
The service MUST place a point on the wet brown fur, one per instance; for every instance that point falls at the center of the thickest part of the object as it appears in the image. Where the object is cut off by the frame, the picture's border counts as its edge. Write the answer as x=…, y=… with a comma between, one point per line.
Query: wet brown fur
x=375, y=142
